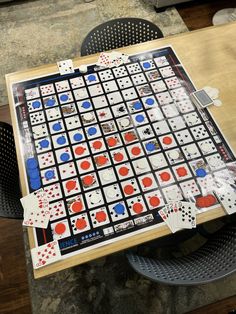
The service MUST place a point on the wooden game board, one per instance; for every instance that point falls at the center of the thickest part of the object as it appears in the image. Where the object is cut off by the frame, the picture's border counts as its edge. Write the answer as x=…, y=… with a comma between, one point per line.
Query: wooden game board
x=132, y=118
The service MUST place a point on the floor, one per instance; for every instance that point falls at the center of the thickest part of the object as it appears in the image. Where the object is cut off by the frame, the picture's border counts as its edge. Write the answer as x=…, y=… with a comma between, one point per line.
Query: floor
x=14, y=295
x=198, y=14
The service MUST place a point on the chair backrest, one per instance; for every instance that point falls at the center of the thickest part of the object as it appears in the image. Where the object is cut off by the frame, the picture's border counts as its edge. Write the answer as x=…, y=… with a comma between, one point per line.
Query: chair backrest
x=119, y=33
x=214, y=260
x=10, y=206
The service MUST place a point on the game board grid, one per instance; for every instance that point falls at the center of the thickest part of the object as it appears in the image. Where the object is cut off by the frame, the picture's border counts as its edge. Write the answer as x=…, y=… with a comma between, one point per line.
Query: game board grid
x=124, y=197
x=132, y=143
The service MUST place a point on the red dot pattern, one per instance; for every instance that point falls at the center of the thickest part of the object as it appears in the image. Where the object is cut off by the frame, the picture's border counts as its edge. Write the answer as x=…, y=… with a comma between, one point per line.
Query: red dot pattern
x=137, y=208
x=60, y=228
x=77, y=206
x=80, y=224
x=154, y=201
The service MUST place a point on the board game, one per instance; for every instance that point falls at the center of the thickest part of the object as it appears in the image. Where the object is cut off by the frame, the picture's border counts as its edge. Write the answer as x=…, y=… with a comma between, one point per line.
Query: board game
x=111, y=147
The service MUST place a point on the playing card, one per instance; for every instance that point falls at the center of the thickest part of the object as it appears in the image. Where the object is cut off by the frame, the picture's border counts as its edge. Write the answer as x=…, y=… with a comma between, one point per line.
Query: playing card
x=158, y=86
x=57, y=210
x=170, y=111
x=124, y=82
x=77, y=82
x=32, y=93
x=187, y=215
x=227, y=197
x=173, y=210
x=173, y=82
x=39, y=131
x=118, y=58
x=189, y=188
x=133, y=68
x=165, y=217
x=68, y=110
x=167, y=71
x=199, y=132
x=177, y=123
x=184, y=137
x=129, y=94
x=110, y=86
x=47, y=89
x=46, y=160
x=62, y=86
x=104, y=59
x=99, y=217
x=179, y=215
x=53, y=192
x=105, y=75
x=53, y=113
x=80, y=223
x=118, y=211
x=95, y=90
x=161, y=61
x=164, y=98
x=45, y=254
x=65, y=67
x=37, y=117
x=36, y=209
x=138, y=79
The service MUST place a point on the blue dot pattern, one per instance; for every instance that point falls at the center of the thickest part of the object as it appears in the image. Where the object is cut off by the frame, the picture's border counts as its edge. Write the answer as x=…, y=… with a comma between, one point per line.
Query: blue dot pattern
x=137, y=105
x=44, y=143
x=36, y=104
x=65, y=157
x=92, y=131
x=201, y=172
x=150, y=147
x=146, y=65
x=78, y=137
x=139, y=118
x=149, y=101
x=50, y=102
x=119, y=209
x=64, y=97
x=49, y=174
x=91, y=78
x=61, y=140
x=57, y=126
x=86, y=104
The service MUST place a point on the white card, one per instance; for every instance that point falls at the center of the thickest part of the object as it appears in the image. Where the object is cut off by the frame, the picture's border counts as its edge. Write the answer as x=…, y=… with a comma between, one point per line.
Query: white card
x=65, y=67
x=45, y=254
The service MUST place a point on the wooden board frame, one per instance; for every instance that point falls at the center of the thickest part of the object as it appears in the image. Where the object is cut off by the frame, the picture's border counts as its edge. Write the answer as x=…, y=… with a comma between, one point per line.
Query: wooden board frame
x=208, y=56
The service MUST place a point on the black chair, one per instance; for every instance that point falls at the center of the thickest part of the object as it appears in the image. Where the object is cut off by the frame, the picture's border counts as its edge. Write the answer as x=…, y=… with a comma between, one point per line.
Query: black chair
x=119, y=33
x=10, y=194
x=216, y=259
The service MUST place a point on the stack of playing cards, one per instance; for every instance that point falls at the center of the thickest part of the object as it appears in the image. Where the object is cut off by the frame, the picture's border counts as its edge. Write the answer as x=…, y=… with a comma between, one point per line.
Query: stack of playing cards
x=45, y=254
x=201, y=98
x=111, y=59
x=179, y=215
x=36, y=209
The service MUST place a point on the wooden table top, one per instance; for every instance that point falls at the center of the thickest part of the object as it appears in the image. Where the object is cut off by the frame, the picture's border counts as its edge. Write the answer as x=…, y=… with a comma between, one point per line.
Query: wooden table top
x=209, y=56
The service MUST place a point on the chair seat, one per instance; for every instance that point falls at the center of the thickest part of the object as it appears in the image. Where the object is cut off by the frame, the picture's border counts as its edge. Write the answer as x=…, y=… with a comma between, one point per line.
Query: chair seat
x=119, y=33
x=214, y=260
x=10, y=194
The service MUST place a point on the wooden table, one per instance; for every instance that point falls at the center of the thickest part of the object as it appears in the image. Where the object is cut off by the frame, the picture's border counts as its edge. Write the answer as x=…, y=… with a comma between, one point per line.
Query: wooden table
x=209, y=56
